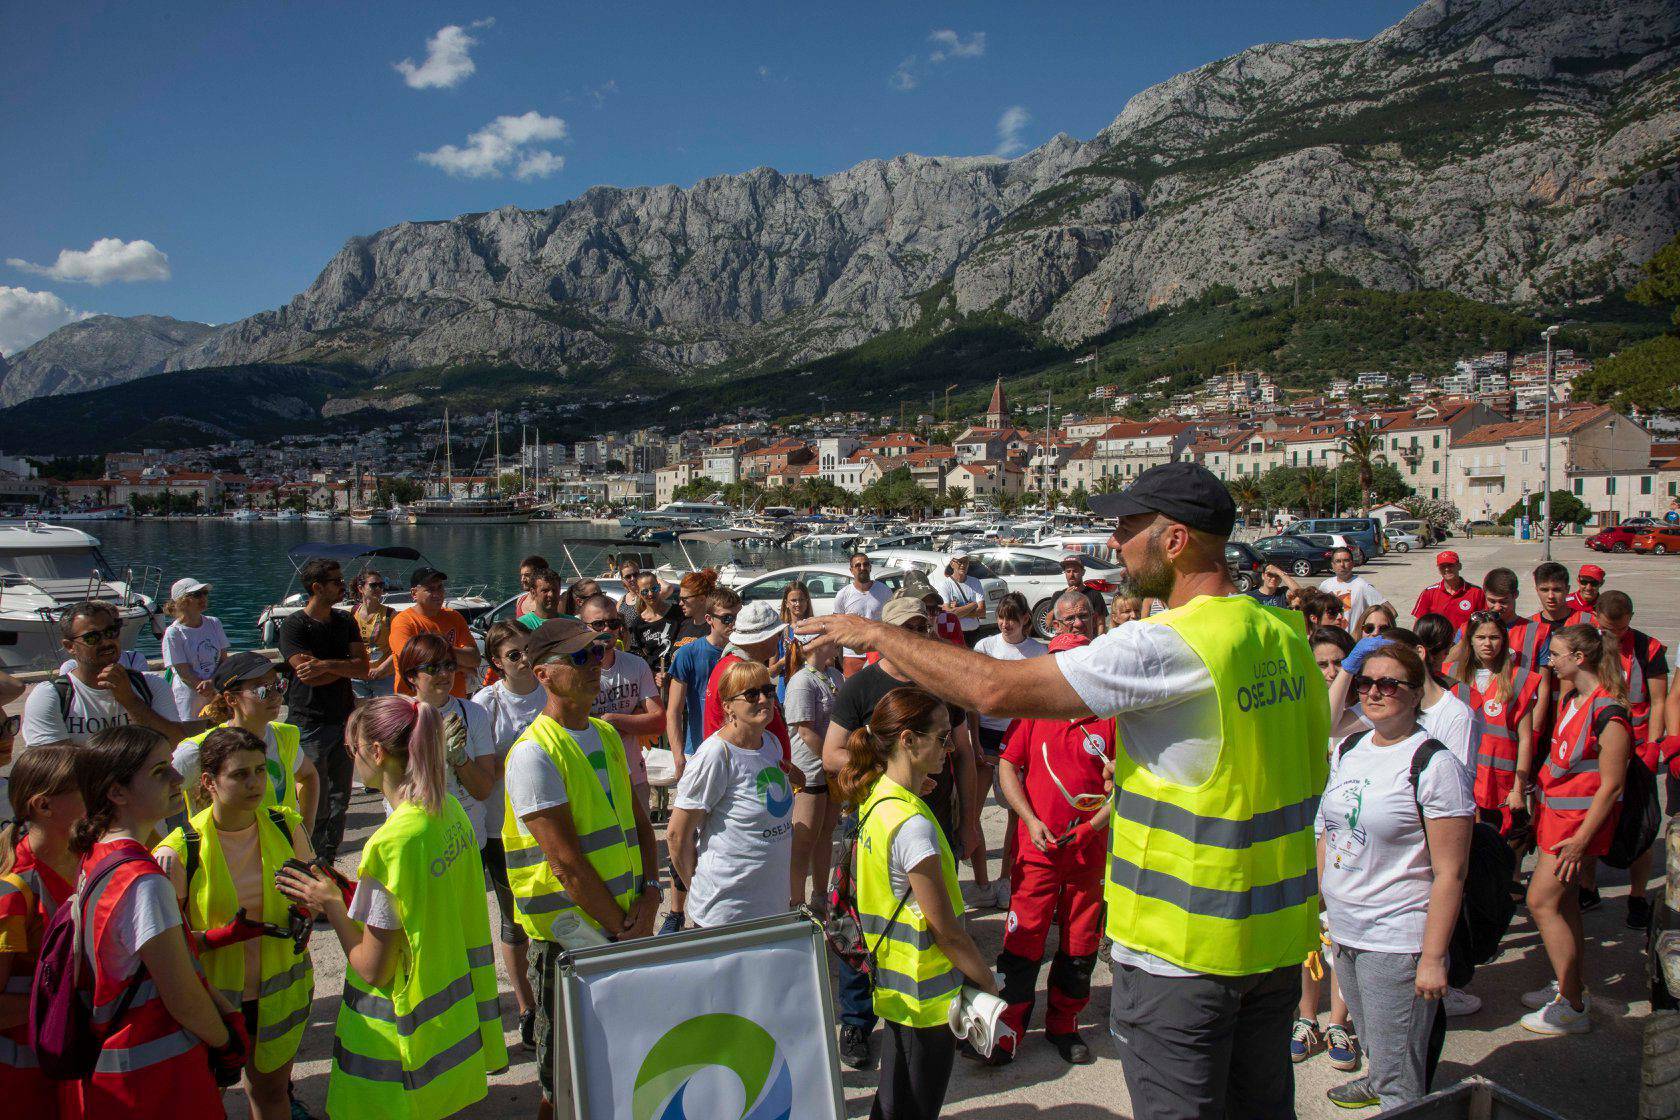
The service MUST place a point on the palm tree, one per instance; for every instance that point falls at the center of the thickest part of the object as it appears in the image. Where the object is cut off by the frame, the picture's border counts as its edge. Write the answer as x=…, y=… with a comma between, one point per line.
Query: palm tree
x=1245, y=491
x=1362, y=447
x=1314, y=484
x=1109, y=484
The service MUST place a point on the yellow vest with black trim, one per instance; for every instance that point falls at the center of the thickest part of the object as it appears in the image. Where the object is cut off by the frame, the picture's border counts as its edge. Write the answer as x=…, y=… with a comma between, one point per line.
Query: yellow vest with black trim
x=1221, y=878
x=606, y=829
x=286, y=744
x=422, y=1046
x=915, y=981
x=288, y=978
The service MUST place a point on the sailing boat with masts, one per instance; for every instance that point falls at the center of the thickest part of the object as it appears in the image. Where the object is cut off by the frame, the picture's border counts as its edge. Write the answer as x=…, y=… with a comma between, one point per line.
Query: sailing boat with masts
x=450, y=510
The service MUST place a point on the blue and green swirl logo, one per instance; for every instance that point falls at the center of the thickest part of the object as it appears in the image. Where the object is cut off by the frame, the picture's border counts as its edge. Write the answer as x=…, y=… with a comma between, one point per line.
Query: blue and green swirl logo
x=773, y=787
x=738, y=1045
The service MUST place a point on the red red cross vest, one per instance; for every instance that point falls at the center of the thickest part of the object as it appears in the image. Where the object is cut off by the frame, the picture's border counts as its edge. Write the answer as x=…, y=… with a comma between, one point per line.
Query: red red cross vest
x=31, y=891
x=151, y=1066
x=1639, y=650
x=1537, y=628
x=1569, y=779
x=1496, y=753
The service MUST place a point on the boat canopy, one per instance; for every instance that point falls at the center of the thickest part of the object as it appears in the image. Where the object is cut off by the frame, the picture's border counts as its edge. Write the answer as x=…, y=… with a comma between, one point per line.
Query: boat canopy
x=345, y=551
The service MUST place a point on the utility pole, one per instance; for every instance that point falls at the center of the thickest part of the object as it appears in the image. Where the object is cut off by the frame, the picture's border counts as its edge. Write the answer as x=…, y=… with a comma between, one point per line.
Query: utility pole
x=1044, y=471
x=1546, y=499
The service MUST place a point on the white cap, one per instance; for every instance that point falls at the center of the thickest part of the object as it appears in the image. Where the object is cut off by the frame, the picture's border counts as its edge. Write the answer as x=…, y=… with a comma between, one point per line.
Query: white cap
x=959, y=554
x=756, y=622
x=186, y=586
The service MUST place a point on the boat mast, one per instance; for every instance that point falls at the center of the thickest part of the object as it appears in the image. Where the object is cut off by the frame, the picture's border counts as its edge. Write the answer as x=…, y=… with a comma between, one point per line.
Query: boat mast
x=448, y=461
x=496, y=468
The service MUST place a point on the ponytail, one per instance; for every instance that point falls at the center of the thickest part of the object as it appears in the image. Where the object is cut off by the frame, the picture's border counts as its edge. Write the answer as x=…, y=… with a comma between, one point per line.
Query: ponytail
x=111, y=758
x=411, y=732
x=870, y=746
x=47, y=770
x=1603, y=659
x=218, y=709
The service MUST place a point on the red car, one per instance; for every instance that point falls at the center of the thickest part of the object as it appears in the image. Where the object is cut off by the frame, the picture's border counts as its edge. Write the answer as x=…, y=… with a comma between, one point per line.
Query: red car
x=1659, y=541
x=1617, y=538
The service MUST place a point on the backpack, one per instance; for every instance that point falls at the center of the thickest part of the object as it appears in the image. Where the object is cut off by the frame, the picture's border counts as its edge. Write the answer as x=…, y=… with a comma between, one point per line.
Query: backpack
x=62, y=687
x=1641, y=817
x=843, y=928
x=61, y=997
x=1491, y=868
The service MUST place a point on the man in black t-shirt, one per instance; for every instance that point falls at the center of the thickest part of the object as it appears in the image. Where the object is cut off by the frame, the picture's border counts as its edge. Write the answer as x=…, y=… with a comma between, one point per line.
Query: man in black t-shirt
x=325, y=650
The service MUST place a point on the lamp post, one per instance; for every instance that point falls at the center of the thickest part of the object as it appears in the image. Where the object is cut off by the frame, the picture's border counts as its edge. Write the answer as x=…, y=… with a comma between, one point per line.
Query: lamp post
x=1546, y=498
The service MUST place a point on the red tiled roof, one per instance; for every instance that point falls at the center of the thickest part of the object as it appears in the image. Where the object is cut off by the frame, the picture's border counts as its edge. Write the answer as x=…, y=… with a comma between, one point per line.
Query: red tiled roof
x=1565, y=421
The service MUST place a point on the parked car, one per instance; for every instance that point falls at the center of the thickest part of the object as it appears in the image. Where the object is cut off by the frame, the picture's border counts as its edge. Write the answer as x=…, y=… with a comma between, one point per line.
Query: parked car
x=1659, y=541
x=1401, y=541
x=1641, y=524
x=1617, y=538
x=823, y=581
x=1301, y=554
x=1037, y=574
x=1366, y=532
x=1245, y=565
x=932, y=564
x=1480, y=525
x=1423, y=530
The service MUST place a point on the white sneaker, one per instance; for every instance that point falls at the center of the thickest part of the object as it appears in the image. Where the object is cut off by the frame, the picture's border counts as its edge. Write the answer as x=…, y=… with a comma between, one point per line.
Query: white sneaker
x=1540, y=997
x=979, y=896
x=1558, y=1017
x=1459, y=1003
x=1000, y=894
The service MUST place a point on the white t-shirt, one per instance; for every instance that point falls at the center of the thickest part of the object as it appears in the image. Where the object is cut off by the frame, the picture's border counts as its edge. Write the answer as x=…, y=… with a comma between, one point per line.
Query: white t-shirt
x=185, y=761
x=481, y=743
x=746, y=844
x=1355, y=594
x=961, y=594
x=199, y=648
x=1377, y=875
x=129, y=659
x=810, y=699
x=1454, y=723
x=510, y=715
x=916, y=839
x=147, y=909
x=534, y=783
x=997, y=646
x=864, y=604
x=625, y=684
x=372, y=905
x=92, y=710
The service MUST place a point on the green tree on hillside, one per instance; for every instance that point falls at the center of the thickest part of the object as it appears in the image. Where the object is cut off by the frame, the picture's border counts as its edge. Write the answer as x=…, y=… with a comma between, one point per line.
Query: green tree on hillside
x=1646, y=374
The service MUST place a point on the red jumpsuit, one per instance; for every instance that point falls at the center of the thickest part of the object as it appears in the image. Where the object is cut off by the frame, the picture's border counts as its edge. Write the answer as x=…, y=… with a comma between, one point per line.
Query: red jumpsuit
x=1063, y=885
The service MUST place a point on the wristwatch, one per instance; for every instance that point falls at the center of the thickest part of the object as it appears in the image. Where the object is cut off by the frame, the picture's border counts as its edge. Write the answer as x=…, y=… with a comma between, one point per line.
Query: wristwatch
x=647, y=885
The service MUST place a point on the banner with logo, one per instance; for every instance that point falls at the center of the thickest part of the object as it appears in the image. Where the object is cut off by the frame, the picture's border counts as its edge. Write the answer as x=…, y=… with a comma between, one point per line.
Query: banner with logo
x=733, y=1023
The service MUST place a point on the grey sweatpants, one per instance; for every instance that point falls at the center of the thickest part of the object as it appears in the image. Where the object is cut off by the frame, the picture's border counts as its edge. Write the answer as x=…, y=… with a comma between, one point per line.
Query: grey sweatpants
x=1392, y=1021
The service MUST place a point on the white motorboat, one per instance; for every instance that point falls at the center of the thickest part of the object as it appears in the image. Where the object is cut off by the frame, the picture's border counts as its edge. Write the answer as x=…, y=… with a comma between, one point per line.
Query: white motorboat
x=354, y=559
x=320, y=515
x=288, y=515
x=93, y=513
x=46, y=568
x=246, y=515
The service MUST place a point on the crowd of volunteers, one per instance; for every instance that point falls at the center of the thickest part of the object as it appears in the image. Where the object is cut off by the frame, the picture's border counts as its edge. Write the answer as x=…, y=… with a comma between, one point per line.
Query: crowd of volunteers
x=1266, y=808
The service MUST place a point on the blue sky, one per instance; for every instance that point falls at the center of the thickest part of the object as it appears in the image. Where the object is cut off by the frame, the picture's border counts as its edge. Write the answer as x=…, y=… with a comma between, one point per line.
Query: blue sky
x=242, y=143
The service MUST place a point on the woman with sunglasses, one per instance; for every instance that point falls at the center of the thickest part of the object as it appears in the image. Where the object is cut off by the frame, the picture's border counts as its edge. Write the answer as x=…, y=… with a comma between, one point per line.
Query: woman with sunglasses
x=427, y=665
x=249, y=695
x=685, y=702
x=373, y=619
x=922, y=954
x=513, y=702
x=731, y=831
x=1580, y=802
x=654, y=623
x=193, y=646
x=694, y=596
x=1392, y=858
x=1375, y=621
x=796, y=607
x=1505, y=695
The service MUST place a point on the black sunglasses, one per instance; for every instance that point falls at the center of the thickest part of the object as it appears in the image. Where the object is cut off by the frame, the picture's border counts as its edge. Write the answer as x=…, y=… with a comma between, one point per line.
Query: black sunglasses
x=726, y=619
x=434, y=668
x=1382, y=686
x=1378, y=627
x=578, y=658
x=755, y=694
x=10, y=726
x=512, y=655
x=94, y=637
x=601, y=624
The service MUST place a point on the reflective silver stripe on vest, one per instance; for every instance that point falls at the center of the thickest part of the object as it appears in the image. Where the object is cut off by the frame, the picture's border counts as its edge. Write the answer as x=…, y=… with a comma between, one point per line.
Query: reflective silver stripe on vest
x=280, y=981
x=1268, y=898
x=490, y=1010
x=15, y=1056
x=543, y=903
x=1493, y=762
x=480, y=957
x=271, y=1032
x=144, y=994
x=390, y=1069
x=875, y=926
x=113, y=1060
x=1497, y=731
x=601, y=839
x=1566, y=804
x=524, y=857
x=1215, y=832
x=372, y=1006
x=9, y=888
x=934, y=986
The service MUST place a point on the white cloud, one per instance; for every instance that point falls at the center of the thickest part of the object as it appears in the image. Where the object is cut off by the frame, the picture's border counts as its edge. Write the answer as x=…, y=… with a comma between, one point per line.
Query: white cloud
x=764, y=72
x=448, y=58
x=503, y=143
x=1009, y=128
x=598, y=96
x=27, y=317
x=948, y=44
x=106, y=260
x=904, y=78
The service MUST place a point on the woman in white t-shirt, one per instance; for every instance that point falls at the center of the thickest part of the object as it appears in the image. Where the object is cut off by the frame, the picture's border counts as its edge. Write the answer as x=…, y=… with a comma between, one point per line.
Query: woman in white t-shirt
x=731, y=830
x=427, y=665
x=1392, y=860
x=193, y=646
x=1010, y=643
x=813, y=683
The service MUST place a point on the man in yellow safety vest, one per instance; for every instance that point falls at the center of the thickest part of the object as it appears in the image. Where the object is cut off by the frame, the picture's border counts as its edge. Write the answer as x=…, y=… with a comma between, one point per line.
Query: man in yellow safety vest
x=1221, y=720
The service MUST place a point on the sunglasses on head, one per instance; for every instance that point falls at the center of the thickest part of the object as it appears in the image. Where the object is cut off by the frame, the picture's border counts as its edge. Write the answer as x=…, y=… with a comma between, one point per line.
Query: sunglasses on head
x=755, y=694
x=1382, y=686
x=1479, y=617
x=602, y=624
x=434, y=668
x=726, y=619
x=94, y=637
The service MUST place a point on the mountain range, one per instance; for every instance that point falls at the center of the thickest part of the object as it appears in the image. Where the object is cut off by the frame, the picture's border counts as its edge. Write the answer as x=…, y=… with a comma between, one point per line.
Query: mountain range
x=1510, y=151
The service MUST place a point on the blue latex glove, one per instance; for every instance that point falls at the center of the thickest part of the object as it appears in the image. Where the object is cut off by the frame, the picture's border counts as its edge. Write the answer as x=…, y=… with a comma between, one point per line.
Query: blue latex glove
x=1361, y=651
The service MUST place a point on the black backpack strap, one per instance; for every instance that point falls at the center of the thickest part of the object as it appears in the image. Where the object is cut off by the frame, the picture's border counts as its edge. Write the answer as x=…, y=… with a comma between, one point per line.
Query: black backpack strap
x=189, y=844
x=1350, y=742
x=280, y=822
x=142, y=687
x=1421, y=758
x=61, y=686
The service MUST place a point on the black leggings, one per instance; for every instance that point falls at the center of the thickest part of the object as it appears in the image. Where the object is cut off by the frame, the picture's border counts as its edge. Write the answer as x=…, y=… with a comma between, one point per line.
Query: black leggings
x=915, y=1072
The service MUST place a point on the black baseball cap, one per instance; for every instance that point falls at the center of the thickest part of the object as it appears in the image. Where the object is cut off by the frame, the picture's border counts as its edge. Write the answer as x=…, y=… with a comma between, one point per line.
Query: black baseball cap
x=237, y=667
x=425, y=575
x=1186, y=492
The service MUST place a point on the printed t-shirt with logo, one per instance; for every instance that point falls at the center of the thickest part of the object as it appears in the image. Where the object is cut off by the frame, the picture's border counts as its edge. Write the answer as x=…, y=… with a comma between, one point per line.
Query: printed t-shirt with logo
x=746, y=843
x=449, y=625
x=200, y=649
x=1455, y=606
x=92, y=710
x=1076, y=750
x=1377, y=874
x=625, y=685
